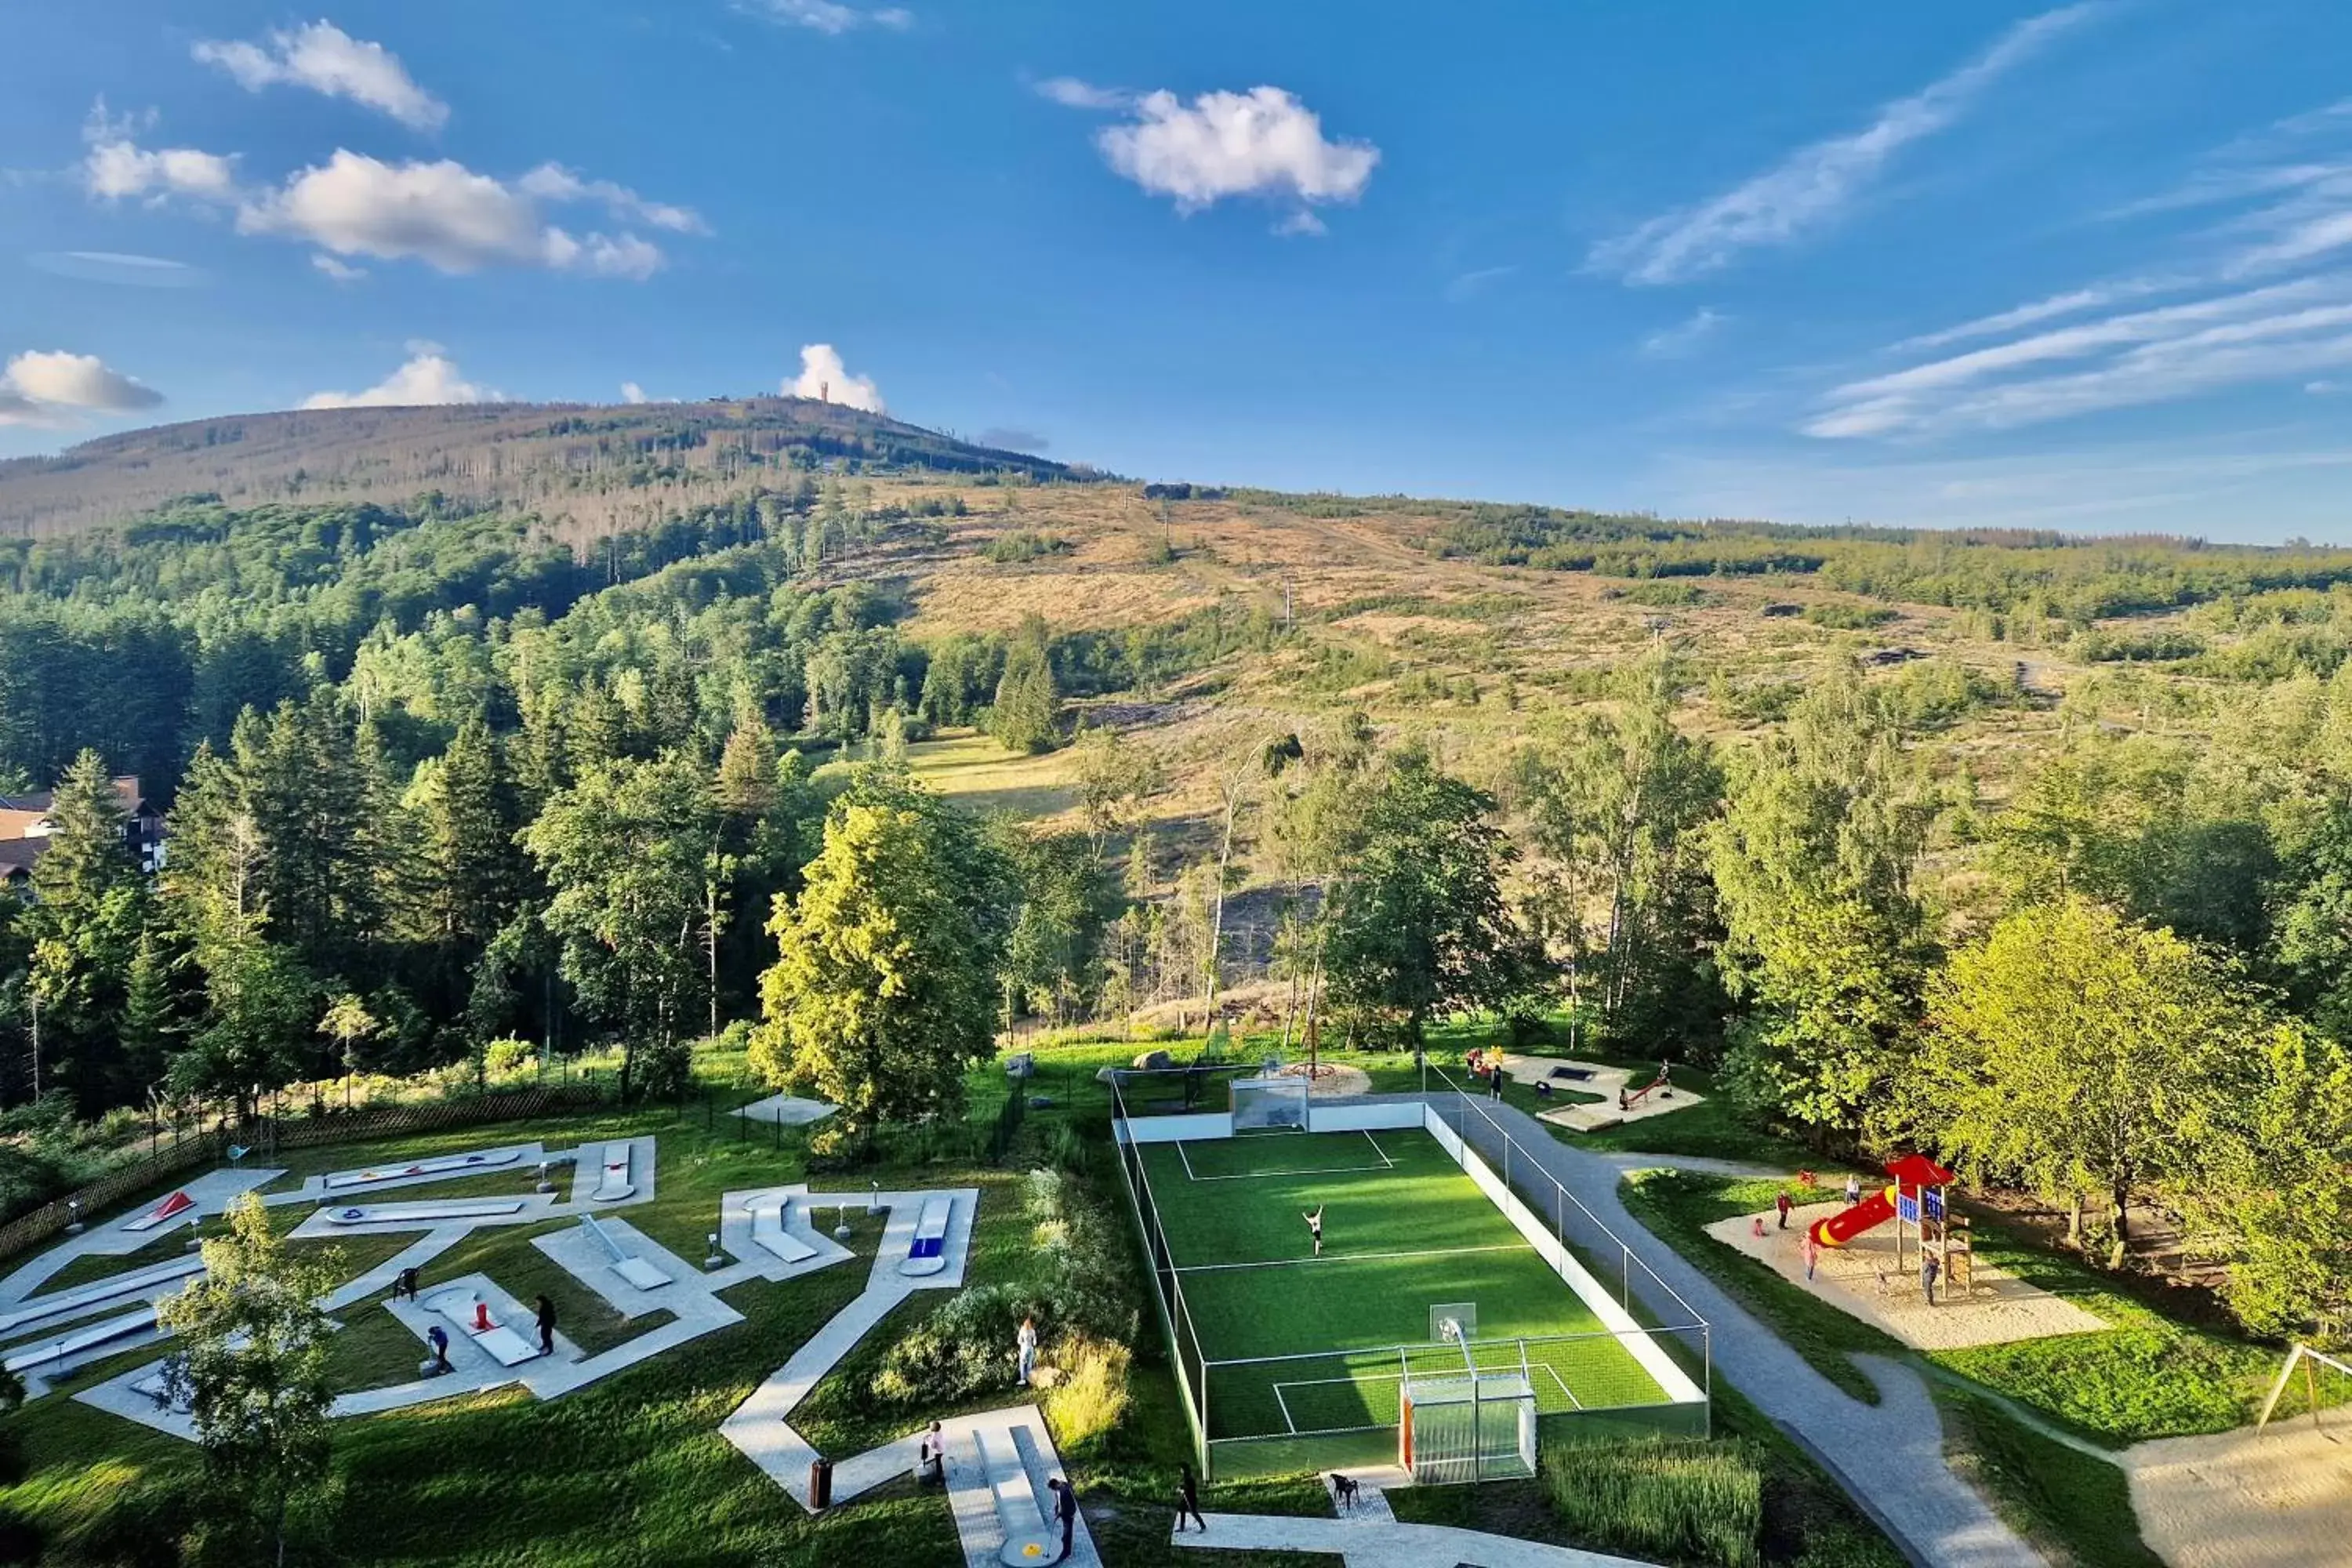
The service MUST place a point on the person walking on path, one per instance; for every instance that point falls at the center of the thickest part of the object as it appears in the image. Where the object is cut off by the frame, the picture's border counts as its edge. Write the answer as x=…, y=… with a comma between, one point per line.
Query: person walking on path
x=546, y=1326
x=1783, y=1203
x=1812, y=1252
x=438, y=1338
x=932, y=1455
x=1026, y=1342
x=1188, y=1501
x=1495, y=1080
x=1928, y=1269
x=1315, y=1227
x=1065, y=1509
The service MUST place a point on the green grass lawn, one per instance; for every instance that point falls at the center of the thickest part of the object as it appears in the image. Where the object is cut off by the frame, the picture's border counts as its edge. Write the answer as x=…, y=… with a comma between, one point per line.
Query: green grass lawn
x=2075, y=1507
x=1404, y=1230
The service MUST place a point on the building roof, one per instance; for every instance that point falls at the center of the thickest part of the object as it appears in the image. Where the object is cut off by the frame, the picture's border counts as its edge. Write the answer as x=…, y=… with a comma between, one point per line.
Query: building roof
x=21, y=813
x=17, y=856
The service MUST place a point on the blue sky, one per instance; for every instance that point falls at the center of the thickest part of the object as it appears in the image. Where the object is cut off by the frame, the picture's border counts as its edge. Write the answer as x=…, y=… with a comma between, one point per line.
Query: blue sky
x=2087, y=267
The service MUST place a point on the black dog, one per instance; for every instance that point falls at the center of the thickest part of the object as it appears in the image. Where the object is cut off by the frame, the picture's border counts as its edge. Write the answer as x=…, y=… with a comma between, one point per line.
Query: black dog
x=1346, y=1488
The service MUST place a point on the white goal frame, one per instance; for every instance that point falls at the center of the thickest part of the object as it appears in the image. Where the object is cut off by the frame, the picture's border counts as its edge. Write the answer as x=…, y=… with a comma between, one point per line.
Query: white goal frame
x=1270, y=1104
x=1446, y=1428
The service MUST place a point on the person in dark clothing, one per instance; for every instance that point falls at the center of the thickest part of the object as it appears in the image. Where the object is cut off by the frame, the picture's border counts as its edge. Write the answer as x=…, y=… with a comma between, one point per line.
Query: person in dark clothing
x=405, y=1286
x=1065, y=1509
x=438, y=1338
x=546, y=1326
x=1782, y=1203
x=1495, y=1081
x=1928, y=1269
x=1188, y=1502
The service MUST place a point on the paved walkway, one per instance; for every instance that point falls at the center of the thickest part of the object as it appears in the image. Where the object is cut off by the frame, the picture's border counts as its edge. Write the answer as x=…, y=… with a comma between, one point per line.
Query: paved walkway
x=1889, y=1457
x=1371, y=1537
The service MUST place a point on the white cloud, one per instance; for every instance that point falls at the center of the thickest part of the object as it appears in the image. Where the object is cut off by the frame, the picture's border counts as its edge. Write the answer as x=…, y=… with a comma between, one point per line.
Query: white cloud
x=429, y=376
x=1262, y=143
x=554, y=183
x=118, y=267
x=1071, y=93
x=824, y=377
x=48, y=387
x=324, y=58
x=442, y=213
x=2286, y=331
x=1814, y=186
x=1685, y=336
x=340, y=270
x=117, y=169
x=632, y=392
x=829, y=17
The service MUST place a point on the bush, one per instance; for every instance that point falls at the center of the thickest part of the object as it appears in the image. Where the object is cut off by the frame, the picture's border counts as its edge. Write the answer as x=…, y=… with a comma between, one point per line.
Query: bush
x=503, y=1058
x=964, y=1347
x=663, y=1068
x=1091, y=1397
x=1085, y=1289
x=1700, y=1501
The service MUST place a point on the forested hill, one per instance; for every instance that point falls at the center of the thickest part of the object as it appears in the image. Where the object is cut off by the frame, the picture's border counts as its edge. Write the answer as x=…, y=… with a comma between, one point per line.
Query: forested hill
x=586, y=469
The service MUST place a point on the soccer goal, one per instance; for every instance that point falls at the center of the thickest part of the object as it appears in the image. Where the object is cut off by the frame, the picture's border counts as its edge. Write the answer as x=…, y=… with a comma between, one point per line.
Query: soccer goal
x=1270, y=1105
x=1471, y=1427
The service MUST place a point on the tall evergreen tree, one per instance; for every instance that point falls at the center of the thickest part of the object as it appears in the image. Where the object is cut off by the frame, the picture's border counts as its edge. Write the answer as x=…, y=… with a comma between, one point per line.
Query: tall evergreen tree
x=1027, y=708
x=88, y=907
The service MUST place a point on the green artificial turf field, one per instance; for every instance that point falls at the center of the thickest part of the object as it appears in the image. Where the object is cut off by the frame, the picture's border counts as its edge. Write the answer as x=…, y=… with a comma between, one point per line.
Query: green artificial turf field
x=1403, y=1230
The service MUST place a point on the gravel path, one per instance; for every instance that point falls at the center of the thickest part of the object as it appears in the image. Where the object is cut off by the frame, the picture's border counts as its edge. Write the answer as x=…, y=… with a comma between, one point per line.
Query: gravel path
x=1888, y=1455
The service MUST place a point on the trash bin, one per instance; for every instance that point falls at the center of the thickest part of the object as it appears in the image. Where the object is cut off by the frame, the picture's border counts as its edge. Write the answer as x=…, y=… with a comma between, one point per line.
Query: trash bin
x=820, y=1485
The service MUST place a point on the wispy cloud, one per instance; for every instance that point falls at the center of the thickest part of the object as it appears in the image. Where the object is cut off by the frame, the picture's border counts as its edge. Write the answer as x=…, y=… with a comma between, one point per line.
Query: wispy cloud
x=829, y=17
x=52, y=387
x=1813, y=187
x=1071, y=93
x=325, y=59
x=2257, y=298
x=1465, y=286
x=1686, y=337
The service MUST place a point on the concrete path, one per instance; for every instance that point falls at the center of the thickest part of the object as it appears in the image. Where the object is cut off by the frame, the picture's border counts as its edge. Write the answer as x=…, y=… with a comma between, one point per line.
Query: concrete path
x=107, y=1238
x=1889, y=1457
x=1368, y=1540
x=759, y=1428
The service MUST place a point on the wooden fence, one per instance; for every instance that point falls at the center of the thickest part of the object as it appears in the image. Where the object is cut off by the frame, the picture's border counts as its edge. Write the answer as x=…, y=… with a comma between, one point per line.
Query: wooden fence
x=267, y=1135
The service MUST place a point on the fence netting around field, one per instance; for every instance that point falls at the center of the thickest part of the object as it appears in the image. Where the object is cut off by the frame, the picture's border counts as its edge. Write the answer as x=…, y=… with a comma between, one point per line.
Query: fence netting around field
x=1348, y=1408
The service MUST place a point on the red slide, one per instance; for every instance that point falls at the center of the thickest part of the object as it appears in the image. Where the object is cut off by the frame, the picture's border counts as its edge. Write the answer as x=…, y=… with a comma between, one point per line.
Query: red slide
x=1843, y=1227
x=1912, y=1171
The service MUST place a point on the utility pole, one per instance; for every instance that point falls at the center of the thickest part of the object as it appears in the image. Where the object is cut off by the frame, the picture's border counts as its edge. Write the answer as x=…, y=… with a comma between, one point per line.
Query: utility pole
x=34, y=992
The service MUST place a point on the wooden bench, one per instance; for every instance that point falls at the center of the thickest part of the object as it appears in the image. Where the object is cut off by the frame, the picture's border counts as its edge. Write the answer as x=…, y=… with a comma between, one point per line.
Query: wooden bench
x=768, y=1230
x=928, y=1252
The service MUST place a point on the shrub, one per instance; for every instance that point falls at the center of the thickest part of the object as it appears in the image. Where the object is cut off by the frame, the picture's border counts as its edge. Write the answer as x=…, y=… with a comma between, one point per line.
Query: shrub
x=1845, y=617
x=663, y=1068
x=1691, y=1499
x=1091, y=1397
x=1084, y=1288
x=963, y=1349
x=501, y=1057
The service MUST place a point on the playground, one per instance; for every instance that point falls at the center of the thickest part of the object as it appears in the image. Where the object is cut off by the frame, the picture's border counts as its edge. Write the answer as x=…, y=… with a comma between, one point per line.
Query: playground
x=1866, y=1260
x=1593, y=1095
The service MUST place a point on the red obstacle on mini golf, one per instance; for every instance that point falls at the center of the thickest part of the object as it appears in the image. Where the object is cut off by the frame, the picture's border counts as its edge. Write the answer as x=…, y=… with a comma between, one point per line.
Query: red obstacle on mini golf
x=171, y=1209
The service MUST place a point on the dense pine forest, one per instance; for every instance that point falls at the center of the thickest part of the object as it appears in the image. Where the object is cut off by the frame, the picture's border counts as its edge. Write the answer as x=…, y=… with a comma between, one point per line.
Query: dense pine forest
x=2033, y=852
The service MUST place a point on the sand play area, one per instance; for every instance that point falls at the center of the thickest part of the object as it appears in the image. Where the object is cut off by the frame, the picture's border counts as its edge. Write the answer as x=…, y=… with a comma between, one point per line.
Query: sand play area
x=2280, y=1498
x=2002, y=1309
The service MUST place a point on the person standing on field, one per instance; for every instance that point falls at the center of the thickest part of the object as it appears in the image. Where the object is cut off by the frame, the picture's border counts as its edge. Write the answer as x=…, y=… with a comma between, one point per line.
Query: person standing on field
x=1783, y=1205
x=1315, y=1227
